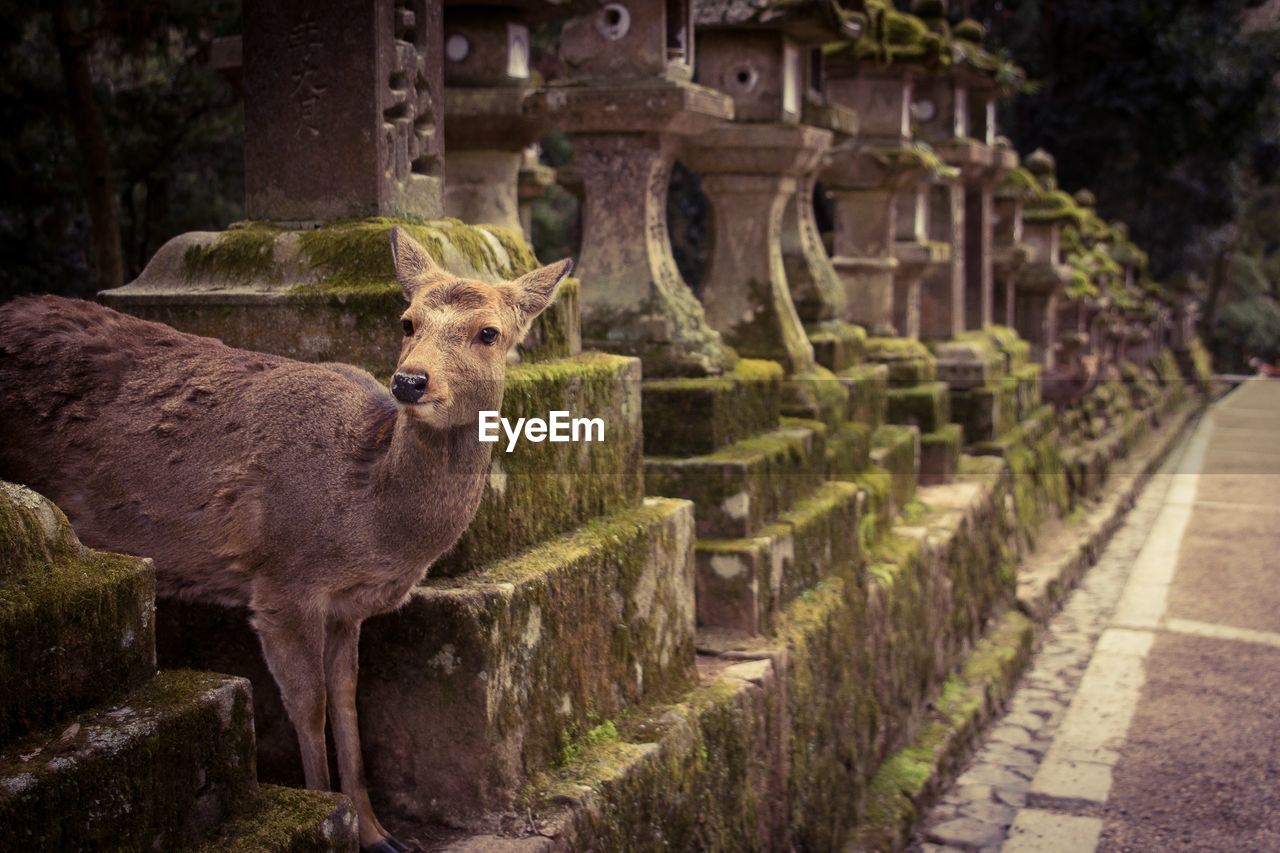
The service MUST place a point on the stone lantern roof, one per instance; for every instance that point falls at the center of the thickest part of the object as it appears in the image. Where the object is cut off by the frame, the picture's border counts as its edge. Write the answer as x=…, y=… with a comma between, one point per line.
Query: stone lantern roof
x=804, y=20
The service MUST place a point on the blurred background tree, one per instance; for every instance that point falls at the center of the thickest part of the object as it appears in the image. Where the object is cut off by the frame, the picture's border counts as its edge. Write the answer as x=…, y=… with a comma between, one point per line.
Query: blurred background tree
x=118, y=136
x=1169, y=110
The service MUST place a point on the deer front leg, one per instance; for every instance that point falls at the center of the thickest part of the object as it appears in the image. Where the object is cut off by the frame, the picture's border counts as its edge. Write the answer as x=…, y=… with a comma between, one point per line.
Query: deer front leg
x=342, y=666
x=293, y=644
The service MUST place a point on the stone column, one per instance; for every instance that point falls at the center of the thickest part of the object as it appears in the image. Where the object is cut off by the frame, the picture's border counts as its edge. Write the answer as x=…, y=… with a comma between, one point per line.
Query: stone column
x=750, y=171
x=628, y=101
x=864, y=183
x=916, y=252
x=1009, y=252
x=495, y=114
x=346, y=90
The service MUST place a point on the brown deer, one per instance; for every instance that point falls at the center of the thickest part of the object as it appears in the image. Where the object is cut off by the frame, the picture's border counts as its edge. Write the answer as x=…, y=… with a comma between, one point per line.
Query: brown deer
x=305, y=492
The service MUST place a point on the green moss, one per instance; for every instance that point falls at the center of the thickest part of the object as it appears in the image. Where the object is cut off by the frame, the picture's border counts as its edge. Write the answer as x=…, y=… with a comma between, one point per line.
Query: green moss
x=76, y=625
x=289, y=820
x=243, y=253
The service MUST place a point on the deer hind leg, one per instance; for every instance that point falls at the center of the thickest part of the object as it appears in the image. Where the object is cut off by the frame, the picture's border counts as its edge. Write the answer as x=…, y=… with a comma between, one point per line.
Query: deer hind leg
x=342, y=665
x=293, y=643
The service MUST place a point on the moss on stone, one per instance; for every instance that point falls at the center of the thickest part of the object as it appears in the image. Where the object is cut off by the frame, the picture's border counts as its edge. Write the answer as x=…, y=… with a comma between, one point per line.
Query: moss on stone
x=542, y=489
x=289, y=820
x=729, y=408
x=76, y=626
x=241, y=254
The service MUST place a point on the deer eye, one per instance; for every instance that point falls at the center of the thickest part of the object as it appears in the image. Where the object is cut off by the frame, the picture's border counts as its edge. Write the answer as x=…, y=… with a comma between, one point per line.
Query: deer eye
x=488, y=335
x=408, y=326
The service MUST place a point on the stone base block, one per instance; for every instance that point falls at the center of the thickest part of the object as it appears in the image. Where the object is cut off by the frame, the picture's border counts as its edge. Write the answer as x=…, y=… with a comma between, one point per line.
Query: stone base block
x=909, y=361
x=940, y=454
x=323, y=294
x=927, y=406
x=480, y=679
x=819, y=396
x=737, y=489
x=77, y=627
x=541, y=489
x=694, y=416
x=987, y=412
x=848, y=451
x=743, y=583
x=968, y=361
x=867, y=384
x=289, y=820
x=838, y=345
x=895, y=449
x=159, y=768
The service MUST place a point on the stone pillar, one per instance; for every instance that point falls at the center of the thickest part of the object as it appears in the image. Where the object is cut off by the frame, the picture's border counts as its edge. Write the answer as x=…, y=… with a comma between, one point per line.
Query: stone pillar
x=749, y=171
x=917, y=253
x=962, y=211
x=495, y=114
x=864, y=183
x=1009, y=252
x=346, y=90
x=628, y=101
x=532, y=182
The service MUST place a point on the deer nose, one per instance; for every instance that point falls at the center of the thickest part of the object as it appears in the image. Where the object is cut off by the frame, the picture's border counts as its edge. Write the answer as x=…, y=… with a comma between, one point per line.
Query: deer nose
x=408, y=387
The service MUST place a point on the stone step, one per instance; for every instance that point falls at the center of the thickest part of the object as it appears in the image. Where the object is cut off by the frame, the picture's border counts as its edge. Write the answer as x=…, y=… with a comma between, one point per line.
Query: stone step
x=909, y=361
x=986, y=412
x=895, y=450
x=696, y=416
x=819, y=396
x=76, y=626
x=837, y=345
x=479, y=679
x=740, y=488
x=926, y=405
x=288, y=820
x=848, y=450
x=777, y=746
x=743, y=583
x=867, y=384
x=168, y=762
x=940, y=455
x=542, y=489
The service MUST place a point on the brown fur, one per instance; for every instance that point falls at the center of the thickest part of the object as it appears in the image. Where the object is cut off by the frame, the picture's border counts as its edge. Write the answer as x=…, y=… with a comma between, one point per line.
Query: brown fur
x=303, y=491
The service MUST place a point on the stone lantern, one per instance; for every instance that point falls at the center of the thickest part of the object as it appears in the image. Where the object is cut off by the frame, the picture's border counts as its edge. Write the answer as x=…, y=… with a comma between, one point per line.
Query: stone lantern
x=1039, y=285
x=496, y=113
x=916, y=252
x=864, y=184
x=628, y=99
x=1009, y=252
x=752, y=167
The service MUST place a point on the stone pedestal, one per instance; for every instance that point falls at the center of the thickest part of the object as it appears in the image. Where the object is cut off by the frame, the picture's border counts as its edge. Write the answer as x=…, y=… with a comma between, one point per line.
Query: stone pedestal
x=625, y=142
x=1009, y=252
x=750, y=171
x=942, y=297
x=349, y=91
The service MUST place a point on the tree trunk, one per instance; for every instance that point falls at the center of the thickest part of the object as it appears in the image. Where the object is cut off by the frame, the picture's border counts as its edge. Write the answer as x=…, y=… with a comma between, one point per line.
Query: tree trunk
x=95, y=156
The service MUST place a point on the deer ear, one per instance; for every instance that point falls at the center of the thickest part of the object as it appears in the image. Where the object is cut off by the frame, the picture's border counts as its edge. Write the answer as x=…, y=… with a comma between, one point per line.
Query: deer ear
x=534, y=291
x=411, y=262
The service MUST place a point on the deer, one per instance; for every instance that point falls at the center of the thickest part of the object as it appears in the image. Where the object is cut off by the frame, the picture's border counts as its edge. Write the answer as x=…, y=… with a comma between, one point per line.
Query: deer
x=312, y=494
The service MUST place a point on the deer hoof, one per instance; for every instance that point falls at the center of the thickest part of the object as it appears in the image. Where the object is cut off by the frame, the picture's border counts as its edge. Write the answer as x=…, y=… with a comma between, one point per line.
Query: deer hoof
x=390, y=844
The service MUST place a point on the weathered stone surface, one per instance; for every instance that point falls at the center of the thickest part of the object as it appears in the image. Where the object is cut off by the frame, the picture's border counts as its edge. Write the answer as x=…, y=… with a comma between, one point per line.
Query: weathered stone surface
x=355, y=97
x=76, y=626
x=160, y=767
x=542, y=489
x=744, y=403
x=895, y=449
x=940, y=454
x=737, y=489
x=481, y=679
x=868, y=385
x=325, y=294
x=288, y=820
x=927, y=406
x=625, y=143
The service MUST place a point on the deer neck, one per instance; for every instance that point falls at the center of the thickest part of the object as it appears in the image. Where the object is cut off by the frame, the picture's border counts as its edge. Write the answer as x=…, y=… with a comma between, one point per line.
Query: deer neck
x=429, y=482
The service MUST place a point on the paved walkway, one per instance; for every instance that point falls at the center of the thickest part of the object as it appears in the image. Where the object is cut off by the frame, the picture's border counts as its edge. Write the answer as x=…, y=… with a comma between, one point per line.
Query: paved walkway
x=1150, y=719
